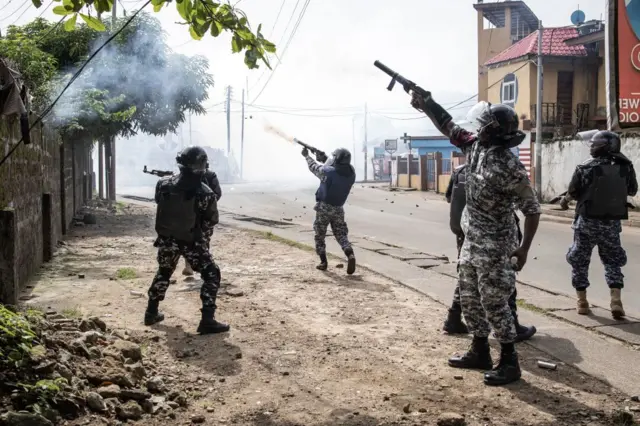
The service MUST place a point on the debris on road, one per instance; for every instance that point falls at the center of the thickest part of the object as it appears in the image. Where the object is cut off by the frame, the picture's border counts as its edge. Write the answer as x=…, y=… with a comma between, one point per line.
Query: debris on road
x=547, y=365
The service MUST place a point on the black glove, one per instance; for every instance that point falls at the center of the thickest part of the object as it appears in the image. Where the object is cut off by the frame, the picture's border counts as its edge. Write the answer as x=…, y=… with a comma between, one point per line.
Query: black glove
x=321, y=157
x=305, y=152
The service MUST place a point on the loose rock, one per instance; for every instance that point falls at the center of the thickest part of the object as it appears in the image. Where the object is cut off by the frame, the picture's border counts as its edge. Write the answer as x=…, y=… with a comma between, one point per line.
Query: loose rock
x=111, y=391
x=129, y=411
x=155, y=384
x=128, y=349
x=451, y=419
x=96, y=402
x=26, y=419
x=198, y=419
x=136, y=394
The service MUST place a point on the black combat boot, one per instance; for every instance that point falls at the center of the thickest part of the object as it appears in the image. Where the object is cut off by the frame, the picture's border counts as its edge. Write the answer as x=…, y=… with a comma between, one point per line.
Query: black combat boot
x=351, y=261
x=324, y=263
x=454, y=324
x=208, y=324
x=507, y=370
x=524, y=332
x=152, y=316
x=477, y=357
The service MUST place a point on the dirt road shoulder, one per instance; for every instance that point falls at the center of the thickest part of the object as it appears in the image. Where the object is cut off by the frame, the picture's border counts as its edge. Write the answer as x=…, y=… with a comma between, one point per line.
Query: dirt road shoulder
x=306, y=347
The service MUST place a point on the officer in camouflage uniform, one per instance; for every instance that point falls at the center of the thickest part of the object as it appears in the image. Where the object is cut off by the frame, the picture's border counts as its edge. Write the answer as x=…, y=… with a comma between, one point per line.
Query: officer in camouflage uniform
x=456, y=197
x=211, y=180
x=496, y=181
x=601, y=186
x=185, y=204
x=337, y=177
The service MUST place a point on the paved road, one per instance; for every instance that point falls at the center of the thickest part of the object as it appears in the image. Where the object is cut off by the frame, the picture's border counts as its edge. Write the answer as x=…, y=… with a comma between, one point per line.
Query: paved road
x=417, y=221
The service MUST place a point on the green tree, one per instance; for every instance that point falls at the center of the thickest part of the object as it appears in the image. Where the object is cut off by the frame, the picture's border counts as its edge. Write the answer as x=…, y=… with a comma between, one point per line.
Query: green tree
x=201, y=16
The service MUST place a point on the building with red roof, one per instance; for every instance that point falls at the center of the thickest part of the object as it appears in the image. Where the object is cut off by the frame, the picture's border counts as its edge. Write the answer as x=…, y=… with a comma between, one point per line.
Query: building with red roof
x=574, y=72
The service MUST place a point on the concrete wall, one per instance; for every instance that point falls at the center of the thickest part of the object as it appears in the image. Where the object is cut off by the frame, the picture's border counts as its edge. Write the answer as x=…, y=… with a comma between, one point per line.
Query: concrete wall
x=32, y=216
x=559, y=160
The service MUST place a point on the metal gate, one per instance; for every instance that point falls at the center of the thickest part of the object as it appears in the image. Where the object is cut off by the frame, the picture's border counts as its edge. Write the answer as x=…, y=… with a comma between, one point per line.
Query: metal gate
x=431, y=171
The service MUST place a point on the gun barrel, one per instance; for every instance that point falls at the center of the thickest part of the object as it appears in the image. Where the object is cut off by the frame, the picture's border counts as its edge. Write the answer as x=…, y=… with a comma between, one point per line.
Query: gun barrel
x=309, y=147
x=385, y=69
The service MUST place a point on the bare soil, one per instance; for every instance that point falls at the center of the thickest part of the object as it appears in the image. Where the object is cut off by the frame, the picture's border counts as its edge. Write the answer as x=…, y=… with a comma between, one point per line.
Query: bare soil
x=305, y=347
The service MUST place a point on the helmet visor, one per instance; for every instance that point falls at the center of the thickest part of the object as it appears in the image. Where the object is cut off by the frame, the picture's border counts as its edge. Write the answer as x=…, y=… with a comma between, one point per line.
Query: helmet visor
x=479, y=116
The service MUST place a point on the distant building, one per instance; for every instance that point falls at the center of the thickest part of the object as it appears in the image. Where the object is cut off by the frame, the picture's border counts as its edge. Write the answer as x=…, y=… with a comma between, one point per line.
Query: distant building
x=574, y=96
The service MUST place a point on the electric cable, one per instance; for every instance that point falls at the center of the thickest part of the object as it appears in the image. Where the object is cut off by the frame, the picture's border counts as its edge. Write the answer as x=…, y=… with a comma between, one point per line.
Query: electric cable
x=71, y=80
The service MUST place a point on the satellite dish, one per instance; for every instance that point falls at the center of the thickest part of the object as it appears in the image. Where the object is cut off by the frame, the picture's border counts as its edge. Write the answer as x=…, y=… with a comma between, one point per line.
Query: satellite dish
x=578, y=17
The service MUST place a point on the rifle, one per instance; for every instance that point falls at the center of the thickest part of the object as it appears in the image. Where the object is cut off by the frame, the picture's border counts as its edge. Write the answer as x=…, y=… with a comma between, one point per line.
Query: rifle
x=408, y=85
x=319, y=154
x=160, y=173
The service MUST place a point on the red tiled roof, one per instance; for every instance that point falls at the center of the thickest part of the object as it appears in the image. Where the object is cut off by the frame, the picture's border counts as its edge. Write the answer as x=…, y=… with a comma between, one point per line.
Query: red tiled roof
x=552, y=45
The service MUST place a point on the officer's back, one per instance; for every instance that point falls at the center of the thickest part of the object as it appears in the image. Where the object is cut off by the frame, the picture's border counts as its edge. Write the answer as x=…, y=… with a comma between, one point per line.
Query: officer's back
x=184, y=201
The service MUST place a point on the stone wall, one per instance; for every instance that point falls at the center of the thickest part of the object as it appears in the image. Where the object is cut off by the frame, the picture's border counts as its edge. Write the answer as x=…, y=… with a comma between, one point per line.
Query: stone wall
x=35, y=208
x=560, y=158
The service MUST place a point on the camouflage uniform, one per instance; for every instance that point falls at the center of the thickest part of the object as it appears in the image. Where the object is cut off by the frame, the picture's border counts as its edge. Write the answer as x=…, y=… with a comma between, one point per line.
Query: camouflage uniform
x=326, y=215
x=196, y=253
x=486, y=277
x=589, y=233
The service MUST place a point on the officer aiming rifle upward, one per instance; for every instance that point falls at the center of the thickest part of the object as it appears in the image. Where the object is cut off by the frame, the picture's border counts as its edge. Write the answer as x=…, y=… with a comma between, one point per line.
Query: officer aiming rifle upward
x=320, y=155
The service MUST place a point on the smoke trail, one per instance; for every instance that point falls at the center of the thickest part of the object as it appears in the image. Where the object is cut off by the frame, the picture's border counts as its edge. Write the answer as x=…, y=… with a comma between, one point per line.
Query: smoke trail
x=275, y=131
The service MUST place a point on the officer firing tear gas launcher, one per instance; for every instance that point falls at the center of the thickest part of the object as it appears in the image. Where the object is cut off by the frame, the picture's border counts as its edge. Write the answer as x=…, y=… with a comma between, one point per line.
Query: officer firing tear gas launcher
x=337, y=176
x=210, y=179
x=496, y=182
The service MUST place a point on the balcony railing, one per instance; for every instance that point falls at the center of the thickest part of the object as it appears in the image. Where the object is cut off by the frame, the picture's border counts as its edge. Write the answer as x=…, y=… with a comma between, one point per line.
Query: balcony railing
x=553, y=115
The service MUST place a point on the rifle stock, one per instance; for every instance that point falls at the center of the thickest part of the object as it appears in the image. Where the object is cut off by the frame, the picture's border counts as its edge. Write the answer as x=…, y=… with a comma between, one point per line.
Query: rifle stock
x=314, y=150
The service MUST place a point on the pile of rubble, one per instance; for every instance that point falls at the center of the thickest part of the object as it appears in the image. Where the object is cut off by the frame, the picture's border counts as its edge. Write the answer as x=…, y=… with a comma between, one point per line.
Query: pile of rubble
x=79, y=368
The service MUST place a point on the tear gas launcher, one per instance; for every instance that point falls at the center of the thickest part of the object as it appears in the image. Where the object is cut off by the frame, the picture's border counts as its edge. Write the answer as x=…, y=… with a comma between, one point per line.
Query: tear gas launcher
x=320, y=155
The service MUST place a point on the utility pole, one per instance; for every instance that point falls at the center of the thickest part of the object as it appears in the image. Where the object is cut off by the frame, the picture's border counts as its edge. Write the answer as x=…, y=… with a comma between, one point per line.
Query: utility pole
x=242, y=136
x=112, y=142
x=365, y=142
x=407, y=140
x=538, y=168
x=190, y=132
x=228, y=108
x=101, y=169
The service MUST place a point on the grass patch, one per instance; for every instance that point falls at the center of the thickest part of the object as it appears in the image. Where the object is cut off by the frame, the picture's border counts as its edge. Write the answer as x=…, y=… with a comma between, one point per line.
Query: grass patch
x=126, y=274
x=72, y=312
x=529, y=307
x=268, y=235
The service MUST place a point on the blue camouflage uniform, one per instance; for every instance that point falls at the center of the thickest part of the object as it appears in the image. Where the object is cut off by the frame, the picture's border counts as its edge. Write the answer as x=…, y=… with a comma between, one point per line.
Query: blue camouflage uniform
x=590, y=232
x=335, y=185
x=495, y=178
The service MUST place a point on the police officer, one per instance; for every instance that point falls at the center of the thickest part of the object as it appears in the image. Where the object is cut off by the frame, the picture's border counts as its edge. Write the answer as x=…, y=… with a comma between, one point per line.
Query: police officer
x=601, y=186
x=211, y=180
x=496, y=181
x=456, y=196
x=185, y=204
x=337, y=177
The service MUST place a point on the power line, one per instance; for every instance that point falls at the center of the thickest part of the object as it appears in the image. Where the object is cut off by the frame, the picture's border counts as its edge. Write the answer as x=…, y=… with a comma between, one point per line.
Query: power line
x=16, y=11
x=47, y=8
x=72, y=79
x=293, y=33
x=4, y=7
x=277, y=17
x=52, y=29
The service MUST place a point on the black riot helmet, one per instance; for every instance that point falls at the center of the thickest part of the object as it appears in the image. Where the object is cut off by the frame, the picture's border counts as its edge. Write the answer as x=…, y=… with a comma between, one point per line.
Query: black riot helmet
x=341, y=156
x=604, y=142
x=496, y=124
x=193, y=159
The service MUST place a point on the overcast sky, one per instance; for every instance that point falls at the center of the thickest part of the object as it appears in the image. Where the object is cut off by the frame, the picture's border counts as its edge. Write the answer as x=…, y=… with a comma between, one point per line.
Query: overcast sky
x=327, y=69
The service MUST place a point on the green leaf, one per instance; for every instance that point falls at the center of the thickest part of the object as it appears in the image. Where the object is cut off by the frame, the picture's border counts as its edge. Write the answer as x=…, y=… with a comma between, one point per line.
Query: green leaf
x=184, y=9
x=62, y=10
x=236, y=44
x=158, y=2
x=216, y=28
x=245, y=34
x=70, y=24
x=157, y=7
x=36, y=3
x=93, y=23
x=194, y=34
x=268, y=46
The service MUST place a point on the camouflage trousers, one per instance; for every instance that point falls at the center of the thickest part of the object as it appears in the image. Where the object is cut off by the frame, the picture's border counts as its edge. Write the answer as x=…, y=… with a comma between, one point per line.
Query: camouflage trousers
x=456, y=293
x=198, y=256
x=605, y=234
x=208, y=233
x=326, y=215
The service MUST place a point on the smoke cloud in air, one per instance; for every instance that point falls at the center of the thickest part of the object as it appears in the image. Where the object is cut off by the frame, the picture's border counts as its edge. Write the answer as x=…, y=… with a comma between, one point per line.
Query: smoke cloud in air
x=275, y=131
